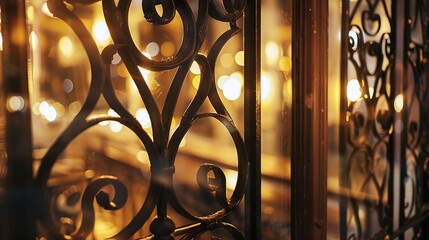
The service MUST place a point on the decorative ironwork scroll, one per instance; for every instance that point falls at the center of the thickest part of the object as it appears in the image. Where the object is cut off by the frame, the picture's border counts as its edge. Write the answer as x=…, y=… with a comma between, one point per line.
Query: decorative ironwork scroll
x=369, y=118
x=387, y=133
x=416, y=103
x=161, y=147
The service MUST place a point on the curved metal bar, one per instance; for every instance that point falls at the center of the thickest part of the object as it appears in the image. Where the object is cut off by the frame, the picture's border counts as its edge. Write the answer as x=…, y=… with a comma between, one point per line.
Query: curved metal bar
x=242, y=166
x=148, y=100
x=144, y=213
x=234, y=10
x=121, y=35
x=371, y=127
x=162, y=150
x=212, y=56
x=152, y=15
x=416, y=88
x=203, y=89
x=97, y=82
x=115, y=104
x=216, y=184
x=176, y=85
x=94, y=191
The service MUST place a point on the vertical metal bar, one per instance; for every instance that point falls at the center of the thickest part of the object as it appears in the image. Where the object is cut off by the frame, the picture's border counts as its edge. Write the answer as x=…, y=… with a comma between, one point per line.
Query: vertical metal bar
x=309, y=98
x=20, y=222
x=343, y=110
x=252, y=119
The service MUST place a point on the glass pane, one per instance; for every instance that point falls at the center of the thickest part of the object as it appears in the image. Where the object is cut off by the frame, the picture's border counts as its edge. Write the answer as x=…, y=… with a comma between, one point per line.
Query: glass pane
x=334, y=67
x=162, y=108
x=276, y=101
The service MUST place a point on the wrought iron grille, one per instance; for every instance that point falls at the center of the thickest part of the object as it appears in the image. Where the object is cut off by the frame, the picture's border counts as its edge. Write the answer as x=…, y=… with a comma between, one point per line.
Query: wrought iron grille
x=162, y=143
x=385, y=132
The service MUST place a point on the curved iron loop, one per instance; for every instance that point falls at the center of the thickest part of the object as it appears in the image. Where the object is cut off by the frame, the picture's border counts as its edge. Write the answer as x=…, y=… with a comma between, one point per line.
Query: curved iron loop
x=143, y=214
x=386, y=40
x=162, y=150
x=414, y=147
x=355, y=39
x=371, y=18
x=120, y=34
x=59, y=10
x=148, y=100
x=176, y=85
x=232, y=10
x=372, y=49
x=94, y=190
x=111, y=98
x=216, y=184
x=384, y=118
x=203, y=89
x=212, y=56
x=367, y=168
x=242, y=167
x=151, y=14
x=151, y=198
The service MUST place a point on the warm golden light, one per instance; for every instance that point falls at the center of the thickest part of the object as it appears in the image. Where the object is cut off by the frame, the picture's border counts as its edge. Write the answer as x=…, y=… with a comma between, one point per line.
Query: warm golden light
x=48, y=111
x=195, y=69
x=101, y=32
x=59, y=108
x=45, y=10
x=113, y=125
x=66, y=46
x=272, y=52
x=116, y=58
x=232, y=86
x=15, y=103
x=152, y=49
x=122, y=70
x=145, y=73
x=227, y=60
x=142, y=156
x=34, y=40
x=221, y=81
x=51, y=114
x=1, y=42
x=285, y=64
x=112, y=113
x=239, y=58
x=398, y=104
x=196, y=81
x=265, y=87
x=103, y=123
x=353, y=90
x=30, y=13
x=167, y=49
x=231, y=179
x=142, y=116
x=371, y=92
x=74, y=107
x=183, y=143
x=353, y=36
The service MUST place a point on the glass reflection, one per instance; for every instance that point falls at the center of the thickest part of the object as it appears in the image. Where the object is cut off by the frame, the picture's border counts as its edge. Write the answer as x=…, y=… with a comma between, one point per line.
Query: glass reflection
x=61, y=80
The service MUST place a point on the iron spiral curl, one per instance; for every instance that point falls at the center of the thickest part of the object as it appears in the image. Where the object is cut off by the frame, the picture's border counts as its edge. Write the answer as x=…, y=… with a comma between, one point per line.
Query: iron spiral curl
x=391, y=110
x=162, y=149
x=369, y=119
